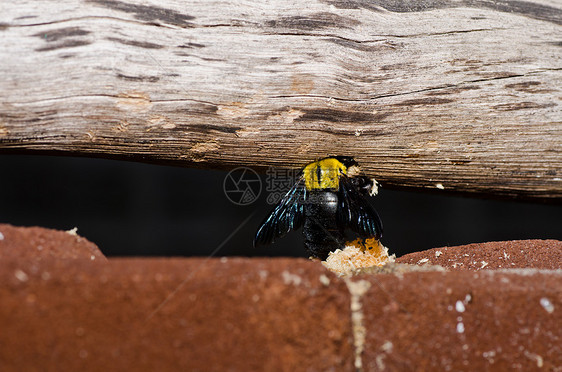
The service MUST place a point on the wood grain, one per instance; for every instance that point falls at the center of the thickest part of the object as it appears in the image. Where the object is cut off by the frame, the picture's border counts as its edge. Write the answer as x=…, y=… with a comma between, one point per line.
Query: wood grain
x=460, y=95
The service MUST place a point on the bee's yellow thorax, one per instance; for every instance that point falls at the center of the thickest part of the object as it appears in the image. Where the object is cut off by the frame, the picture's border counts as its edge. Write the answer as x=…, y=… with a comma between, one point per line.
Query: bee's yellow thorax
x=323, y=174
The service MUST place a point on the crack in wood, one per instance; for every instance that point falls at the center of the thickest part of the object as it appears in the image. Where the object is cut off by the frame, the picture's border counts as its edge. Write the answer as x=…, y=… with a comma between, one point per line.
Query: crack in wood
x=74, y=19
x=60, y=33
x=69, y=43
x=446, y=86
x=148, y=13
x=87, y=96
x=384, y=37
x=140, y=44
x=525, y=8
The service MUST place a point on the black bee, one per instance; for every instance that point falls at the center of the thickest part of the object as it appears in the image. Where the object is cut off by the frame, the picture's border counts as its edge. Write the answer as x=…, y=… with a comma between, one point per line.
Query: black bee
x=328, y=198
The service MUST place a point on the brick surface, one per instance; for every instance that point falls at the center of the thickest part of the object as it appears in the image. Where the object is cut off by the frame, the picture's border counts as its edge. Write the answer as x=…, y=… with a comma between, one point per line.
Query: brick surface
x=38, y=243
x=539, y=254
x=464, y=321
x=174, y=314
x=61, y=310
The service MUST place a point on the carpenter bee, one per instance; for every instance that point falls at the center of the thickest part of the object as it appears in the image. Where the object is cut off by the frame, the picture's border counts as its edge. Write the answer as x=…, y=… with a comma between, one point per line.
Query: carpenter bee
x=328, y=199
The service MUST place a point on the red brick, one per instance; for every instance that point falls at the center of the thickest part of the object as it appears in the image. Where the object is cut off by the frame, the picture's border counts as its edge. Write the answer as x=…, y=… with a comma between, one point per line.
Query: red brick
x=173, y=314
x=413, y=322
x=539, y=254
x=38, y=243
x=60, y=310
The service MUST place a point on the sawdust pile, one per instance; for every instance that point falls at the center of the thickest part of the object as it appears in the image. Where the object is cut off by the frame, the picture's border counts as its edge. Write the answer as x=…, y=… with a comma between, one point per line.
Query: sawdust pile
x=358, y=254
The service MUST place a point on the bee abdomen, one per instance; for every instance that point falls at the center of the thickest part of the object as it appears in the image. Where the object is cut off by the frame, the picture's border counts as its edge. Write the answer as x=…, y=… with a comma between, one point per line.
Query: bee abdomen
x=322, y=234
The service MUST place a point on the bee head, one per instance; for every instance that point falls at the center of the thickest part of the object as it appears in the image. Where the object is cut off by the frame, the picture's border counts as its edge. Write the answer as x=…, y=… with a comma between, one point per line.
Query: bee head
x=348, y=161
x=352, y=166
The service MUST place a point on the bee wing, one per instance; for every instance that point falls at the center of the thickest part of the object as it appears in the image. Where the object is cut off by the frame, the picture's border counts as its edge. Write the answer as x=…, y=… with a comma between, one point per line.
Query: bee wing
x=286, y=216
x=355, y=212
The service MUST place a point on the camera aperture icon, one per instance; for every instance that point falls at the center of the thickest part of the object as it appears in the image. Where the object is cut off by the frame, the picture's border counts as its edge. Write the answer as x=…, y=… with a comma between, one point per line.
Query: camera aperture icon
x=242, y=186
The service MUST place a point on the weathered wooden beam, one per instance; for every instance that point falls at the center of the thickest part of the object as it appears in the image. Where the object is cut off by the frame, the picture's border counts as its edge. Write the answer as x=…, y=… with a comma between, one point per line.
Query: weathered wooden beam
x=461, y=95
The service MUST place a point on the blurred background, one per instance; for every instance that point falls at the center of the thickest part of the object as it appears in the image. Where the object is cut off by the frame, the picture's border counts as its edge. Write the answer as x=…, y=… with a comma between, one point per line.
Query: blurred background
x=134, y=209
